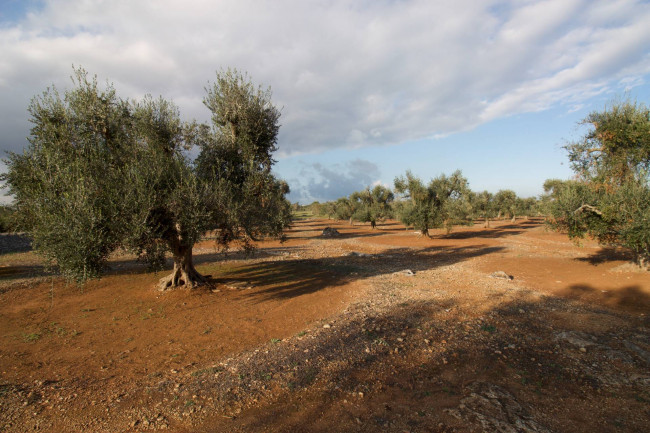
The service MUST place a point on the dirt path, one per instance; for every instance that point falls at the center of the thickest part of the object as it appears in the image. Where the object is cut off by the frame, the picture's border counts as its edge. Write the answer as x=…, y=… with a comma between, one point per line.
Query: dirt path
x=368, y=331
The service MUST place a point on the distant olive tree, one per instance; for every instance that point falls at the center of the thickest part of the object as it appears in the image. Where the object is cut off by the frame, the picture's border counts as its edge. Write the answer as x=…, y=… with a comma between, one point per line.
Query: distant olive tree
x=505, y=201
x=484, y=206
x=102, y=173
x=372, y=205
x=527, y=207
x=444, y=202
x=610, y=200
x=344, y=209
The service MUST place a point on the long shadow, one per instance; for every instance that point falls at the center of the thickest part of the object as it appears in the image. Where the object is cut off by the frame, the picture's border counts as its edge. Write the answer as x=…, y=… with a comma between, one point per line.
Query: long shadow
x=345, y=235
x=398, y=370
x=296, y=277
x=631, y=298
x=14, y=243
x=11, y=274
x=607, y=254
x=346, y=230
x=351, y=232
x=493, y=233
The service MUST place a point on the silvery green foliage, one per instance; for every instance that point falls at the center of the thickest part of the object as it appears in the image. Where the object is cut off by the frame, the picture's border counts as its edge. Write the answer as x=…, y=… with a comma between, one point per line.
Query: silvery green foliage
x=610, y=199
x=372, y=205
x=103, y=173
x=444, y=202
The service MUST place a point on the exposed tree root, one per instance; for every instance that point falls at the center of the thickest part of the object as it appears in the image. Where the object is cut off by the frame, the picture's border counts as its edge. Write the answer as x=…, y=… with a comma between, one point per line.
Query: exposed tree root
x=184, y=273
x=180, y=277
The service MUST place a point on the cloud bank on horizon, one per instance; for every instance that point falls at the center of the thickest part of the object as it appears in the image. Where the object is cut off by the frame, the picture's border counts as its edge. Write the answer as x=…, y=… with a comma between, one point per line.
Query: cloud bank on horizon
x=347, y=74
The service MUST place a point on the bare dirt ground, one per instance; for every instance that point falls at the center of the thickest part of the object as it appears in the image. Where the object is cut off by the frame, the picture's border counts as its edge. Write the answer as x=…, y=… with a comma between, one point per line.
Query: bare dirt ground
x=372, y=330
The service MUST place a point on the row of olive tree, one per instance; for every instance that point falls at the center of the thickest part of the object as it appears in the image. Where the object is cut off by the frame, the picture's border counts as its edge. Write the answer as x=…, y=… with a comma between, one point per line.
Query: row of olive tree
x=103, y=173
x=608, y=200
x=445, y=201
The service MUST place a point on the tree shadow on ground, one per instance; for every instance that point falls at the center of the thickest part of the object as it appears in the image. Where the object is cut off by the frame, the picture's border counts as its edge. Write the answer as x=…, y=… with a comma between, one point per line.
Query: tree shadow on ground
x=631, y=298
x=608, y=254
x=347, y=233
x=296, y=277
x=14, y=272
x=494, y=232
x=14, y=243
x=405, y=368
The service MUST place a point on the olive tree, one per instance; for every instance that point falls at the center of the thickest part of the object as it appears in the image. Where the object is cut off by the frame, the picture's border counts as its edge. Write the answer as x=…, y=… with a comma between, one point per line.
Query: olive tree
x=372, y=205
x=443, y=202
x=102, y=173
x=484, y=206
x=505, y=201
x=344, y=209
x=610, y=200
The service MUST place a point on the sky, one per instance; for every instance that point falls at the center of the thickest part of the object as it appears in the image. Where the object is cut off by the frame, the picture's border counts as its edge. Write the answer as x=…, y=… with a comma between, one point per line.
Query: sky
x=368, y=89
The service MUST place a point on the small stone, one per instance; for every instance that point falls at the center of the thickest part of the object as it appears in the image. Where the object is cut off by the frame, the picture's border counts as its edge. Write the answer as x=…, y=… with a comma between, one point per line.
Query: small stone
x=502, y=275
x=521, y=311
x=327, y=326
x=498, y=352
x=329, y=232
x=426, y=341
x=583, y=350
x=400, y=339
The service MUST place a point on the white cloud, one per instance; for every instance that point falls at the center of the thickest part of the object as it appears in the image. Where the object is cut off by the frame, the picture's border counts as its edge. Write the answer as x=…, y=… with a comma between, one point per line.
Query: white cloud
x=346, y=73
x=323, y=183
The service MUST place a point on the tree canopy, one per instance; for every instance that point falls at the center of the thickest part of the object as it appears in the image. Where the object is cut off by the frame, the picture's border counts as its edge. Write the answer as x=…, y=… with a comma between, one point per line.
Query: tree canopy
x=372, y=205
x=102, y=173
x=616, y=147
x=443, y=202
x=610, y=199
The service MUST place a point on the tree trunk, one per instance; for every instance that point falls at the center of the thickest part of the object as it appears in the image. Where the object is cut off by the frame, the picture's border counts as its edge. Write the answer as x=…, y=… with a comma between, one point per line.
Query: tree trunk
x=487, y=222
x=184, y=273
x=373, y=225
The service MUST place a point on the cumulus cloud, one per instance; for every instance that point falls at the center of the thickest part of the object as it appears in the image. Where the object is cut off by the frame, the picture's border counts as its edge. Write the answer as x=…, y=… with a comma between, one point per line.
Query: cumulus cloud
x=347, y=74
x=324, y=183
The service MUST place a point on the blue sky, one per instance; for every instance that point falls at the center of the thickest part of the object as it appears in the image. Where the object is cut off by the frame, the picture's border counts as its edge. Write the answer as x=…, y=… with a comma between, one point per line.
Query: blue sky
x=369, y=89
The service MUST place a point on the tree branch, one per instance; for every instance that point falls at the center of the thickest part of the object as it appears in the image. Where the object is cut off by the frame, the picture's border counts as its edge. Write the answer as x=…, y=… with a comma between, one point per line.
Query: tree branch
x=588, y=208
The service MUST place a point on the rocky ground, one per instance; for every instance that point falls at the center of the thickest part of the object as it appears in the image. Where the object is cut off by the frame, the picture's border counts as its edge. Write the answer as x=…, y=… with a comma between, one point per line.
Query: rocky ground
x=510, y=329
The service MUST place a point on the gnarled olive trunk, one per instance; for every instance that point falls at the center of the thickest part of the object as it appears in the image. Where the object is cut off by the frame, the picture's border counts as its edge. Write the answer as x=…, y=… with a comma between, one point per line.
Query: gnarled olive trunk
x=184, y=273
